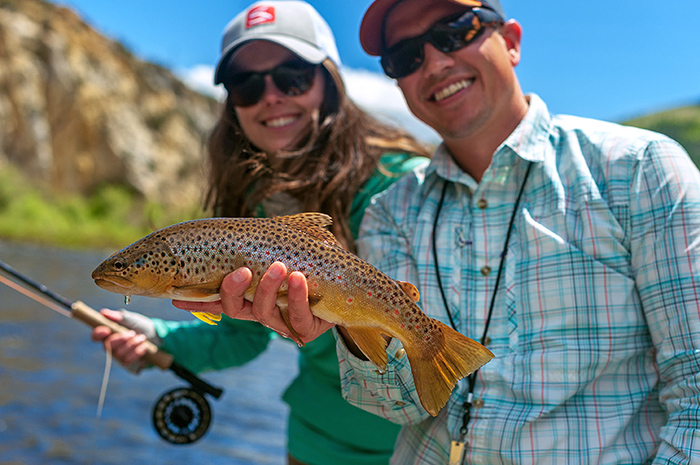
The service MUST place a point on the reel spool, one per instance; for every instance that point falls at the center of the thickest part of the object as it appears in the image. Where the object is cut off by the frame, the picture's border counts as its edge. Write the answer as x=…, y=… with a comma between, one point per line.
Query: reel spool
x=181, y=416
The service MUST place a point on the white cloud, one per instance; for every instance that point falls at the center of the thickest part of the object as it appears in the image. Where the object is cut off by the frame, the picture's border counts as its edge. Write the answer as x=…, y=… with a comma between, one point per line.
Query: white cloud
x=201, y=79
x=374, y=92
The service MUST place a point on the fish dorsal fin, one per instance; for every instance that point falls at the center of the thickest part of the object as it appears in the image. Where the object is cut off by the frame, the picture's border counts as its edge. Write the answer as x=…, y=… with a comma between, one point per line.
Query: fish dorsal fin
x=410, y=290
x=311, y=223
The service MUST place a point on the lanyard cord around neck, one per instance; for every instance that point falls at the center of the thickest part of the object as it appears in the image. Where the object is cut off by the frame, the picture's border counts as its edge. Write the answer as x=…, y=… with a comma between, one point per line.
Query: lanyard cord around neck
x=472, y=378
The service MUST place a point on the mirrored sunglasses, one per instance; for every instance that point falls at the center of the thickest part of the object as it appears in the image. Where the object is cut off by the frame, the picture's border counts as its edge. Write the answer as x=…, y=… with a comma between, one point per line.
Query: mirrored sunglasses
x=447, y=35
x=293, y=78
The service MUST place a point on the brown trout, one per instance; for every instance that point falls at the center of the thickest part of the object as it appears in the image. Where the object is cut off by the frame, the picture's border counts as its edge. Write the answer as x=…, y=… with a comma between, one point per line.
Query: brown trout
x=188, y=261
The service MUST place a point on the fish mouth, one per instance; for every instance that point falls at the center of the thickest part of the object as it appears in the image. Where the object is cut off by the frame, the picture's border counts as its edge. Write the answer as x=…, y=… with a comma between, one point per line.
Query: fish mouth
x=113, y=284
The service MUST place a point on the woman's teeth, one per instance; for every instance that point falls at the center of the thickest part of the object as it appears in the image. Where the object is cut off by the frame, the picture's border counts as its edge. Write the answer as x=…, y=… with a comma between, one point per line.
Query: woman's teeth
x=452, y=89
x=279, y=122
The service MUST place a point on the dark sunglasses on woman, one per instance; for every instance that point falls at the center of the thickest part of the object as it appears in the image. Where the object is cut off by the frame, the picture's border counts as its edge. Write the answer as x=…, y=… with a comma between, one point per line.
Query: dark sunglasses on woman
x=292, y=78
x=447, y=35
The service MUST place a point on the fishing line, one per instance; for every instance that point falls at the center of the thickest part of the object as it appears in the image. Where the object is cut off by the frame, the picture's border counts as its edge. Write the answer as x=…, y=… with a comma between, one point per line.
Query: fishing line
x=101, y=400
x=105, y=379
x=181, y=416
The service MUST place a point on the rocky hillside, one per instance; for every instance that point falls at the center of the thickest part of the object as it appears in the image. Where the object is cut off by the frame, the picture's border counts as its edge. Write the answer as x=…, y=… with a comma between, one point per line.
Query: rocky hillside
x=78, y=110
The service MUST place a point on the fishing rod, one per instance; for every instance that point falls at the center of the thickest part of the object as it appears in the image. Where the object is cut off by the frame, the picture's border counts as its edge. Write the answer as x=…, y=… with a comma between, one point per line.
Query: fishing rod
x=180, y=416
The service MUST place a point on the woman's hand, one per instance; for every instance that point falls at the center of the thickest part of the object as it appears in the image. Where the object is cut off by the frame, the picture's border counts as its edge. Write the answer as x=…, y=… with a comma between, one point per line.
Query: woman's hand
x=128, y=347
x=264, y=307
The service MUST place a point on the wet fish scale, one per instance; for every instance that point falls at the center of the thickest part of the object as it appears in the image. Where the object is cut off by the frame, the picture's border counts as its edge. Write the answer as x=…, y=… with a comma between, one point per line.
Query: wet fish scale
x=189, y=260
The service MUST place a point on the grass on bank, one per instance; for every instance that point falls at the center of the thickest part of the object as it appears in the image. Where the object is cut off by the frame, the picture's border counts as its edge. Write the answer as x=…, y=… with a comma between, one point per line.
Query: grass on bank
x=113, y=217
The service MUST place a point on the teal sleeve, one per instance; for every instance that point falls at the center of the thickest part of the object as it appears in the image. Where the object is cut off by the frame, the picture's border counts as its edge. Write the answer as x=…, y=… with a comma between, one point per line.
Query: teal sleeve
x=202, y=347
x=391, y=167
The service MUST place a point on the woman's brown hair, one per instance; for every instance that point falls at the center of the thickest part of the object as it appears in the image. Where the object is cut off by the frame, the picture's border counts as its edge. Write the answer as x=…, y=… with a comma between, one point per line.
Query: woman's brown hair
x=324, y=175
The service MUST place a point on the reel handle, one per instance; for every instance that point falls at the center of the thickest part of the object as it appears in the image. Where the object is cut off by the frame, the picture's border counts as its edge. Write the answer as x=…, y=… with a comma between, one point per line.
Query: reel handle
x=91, y=317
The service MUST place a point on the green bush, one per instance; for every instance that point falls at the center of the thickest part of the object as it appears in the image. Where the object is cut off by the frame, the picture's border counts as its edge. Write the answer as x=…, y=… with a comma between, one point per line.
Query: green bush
x=113, y=217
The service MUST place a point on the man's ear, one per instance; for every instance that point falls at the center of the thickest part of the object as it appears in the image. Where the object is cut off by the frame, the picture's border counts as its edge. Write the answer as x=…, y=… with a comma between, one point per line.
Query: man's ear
x=512, y=32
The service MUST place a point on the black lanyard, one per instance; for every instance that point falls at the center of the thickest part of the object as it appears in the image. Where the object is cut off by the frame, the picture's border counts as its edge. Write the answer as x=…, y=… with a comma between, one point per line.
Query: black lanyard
x=472, y=378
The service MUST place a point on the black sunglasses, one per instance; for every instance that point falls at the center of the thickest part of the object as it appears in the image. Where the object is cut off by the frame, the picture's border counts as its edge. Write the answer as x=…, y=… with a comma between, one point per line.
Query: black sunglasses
x=447, y=35
x=292, y=78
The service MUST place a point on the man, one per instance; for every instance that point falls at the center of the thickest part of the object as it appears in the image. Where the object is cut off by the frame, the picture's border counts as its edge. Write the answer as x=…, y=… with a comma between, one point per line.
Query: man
x=568, y=246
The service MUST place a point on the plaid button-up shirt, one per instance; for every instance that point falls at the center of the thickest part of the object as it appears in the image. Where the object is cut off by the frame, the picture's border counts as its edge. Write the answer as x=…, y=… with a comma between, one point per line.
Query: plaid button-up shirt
x=596, y=327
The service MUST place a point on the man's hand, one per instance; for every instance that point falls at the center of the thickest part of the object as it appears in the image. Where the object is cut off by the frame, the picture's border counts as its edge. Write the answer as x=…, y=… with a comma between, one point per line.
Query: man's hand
x=264, y=308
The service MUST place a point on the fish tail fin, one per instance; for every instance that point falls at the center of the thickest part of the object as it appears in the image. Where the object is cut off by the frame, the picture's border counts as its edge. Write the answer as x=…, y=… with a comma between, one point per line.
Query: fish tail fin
x=436, y=372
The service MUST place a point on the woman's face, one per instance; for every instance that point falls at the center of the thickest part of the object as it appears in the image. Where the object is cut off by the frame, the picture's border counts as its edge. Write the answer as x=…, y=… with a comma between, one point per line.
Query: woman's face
x=277, y=121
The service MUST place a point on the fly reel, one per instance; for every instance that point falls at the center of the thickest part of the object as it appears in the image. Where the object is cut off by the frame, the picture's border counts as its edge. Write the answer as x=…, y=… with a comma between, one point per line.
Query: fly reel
x=182, y=416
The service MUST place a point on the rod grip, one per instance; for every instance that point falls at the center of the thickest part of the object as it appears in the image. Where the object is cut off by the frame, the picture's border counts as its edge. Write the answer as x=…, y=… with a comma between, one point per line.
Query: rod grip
x=84, y=313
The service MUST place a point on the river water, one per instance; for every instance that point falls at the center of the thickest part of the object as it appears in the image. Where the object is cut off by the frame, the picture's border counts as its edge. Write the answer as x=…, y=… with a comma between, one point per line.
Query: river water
x=51, y=373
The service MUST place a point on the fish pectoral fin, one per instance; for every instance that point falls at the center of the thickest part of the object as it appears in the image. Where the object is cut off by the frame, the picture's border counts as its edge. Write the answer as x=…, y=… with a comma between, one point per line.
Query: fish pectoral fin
x=371, y=343
x=208, y=318
x=410, y=290
x=195, y=291
x=283, y=305
x=314, y=299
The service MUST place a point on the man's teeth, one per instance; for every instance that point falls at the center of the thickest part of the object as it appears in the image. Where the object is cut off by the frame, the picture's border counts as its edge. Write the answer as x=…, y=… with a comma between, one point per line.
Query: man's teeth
x=278, y=122
x=452, y=89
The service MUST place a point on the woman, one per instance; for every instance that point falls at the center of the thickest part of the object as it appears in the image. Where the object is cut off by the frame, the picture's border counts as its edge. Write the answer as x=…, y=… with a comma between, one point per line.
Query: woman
x=289, y=140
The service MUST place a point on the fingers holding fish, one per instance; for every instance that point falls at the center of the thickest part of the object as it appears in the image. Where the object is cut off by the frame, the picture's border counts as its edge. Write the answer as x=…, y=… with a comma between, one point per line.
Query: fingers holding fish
x=214, y=308
x=308, y=326
x=264, y=303
x=232, y=302
x=278, y=305
x=269, y=304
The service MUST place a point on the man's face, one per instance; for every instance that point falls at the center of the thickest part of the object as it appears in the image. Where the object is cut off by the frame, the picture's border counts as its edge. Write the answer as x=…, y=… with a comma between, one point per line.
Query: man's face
x=463, y=92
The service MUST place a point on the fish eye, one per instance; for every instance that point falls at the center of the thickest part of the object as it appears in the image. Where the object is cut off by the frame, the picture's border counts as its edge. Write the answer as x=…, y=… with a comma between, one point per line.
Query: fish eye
x=119, y=265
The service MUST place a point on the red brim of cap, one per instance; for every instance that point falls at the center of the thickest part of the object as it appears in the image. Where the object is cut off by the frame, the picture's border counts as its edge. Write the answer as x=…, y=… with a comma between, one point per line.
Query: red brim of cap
x=371, y=27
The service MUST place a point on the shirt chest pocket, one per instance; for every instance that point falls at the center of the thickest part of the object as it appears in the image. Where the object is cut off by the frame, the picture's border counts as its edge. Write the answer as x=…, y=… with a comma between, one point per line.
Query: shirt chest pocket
x=571, y=294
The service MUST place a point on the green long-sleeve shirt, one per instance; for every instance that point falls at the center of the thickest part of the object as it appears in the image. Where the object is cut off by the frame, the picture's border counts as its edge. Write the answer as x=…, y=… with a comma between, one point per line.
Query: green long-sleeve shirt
x=323, y=428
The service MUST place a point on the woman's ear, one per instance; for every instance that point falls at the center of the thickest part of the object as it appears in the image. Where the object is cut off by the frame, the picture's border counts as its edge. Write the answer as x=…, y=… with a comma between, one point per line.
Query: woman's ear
x=512, y=32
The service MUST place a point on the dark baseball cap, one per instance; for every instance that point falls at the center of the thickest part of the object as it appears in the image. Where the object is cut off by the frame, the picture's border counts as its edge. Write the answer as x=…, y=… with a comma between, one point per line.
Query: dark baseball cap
x=372, y=27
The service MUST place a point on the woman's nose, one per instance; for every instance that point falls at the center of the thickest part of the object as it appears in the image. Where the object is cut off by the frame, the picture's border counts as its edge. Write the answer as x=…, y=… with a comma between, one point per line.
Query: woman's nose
x=271, y=94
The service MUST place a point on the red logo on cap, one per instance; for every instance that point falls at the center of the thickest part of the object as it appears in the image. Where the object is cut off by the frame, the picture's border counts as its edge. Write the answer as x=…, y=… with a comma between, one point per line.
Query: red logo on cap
x=260, y=15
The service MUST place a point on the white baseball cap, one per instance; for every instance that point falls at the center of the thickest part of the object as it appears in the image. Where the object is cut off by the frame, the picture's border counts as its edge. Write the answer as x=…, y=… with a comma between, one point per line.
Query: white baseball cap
x=295, y=25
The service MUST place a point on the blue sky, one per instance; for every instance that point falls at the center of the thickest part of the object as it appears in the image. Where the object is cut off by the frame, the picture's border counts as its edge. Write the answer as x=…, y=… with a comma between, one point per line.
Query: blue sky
x=608, y=60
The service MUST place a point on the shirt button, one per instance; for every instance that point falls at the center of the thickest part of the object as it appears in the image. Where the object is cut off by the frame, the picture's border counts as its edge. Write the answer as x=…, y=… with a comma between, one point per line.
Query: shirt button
x=400, y=353
x=486, y=270
x=399, y=403
x=487, y=341
x=482, y=203
x=478, y=403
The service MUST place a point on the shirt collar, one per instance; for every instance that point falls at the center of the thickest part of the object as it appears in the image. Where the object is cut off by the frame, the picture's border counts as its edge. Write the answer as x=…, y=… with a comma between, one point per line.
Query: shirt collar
x=532, y=131
x=523, y=141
